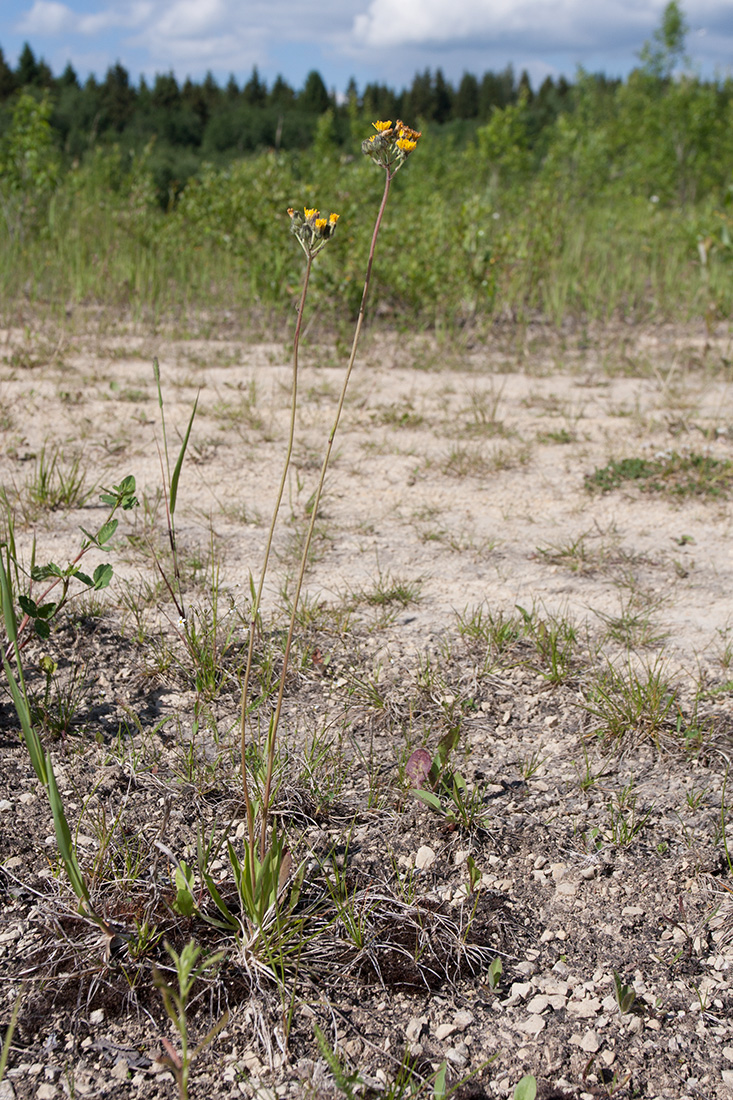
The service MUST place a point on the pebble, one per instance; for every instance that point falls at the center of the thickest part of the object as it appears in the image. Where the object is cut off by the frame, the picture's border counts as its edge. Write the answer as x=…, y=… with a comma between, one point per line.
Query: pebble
x=533, y=1025
x=584, y=1010
x=5, y=805
x=590, y=1042
x=414, y=1028
x=425, y=857
x=443, y=1031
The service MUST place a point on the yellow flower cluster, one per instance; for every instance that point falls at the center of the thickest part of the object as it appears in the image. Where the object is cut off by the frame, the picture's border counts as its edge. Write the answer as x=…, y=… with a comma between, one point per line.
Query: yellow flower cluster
x=391, y=145
x=311, y=230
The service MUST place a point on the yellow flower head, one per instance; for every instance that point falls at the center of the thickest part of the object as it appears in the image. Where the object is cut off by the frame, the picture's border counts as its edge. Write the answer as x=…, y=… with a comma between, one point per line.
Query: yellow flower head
x=391, y=145
x=311, y=230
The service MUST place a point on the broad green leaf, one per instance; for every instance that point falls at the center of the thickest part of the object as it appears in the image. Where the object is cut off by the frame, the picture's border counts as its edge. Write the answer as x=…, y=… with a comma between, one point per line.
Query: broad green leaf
x=102, y=576
x=526, y=1089
x=42, y=629
x=429, y=799
x=439, y=1085
x=106, y=531
x=27, y=605
x=495, y=969
x=45, y=611
x=184, y=903
x=84, y=578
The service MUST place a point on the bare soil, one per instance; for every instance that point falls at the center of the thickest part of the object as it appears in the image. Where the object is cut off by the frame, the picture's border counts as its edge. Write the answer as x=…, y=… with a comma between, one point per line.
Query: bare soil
x=460, y=502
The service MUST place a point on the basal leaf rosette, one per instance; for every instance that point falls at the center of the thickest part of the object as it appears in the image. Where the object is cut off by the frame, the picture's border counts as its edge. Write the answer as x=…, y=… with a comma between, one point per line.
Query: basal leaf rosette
x=391, y=145
x=311, y=230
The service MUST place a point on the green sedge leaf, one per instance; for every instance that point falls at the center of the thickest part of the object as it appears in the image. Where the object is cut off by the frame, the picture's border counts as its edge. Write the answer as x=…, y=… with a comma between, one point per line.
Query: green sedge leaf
x=63, y=837
x=179, y=463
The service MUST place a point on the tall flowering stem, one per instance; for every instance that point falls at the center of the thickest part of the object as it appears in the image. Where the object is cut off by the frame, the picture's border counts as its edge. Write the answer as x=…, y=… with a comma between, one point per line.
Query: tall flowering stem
x=389, y=147
x=312, y=233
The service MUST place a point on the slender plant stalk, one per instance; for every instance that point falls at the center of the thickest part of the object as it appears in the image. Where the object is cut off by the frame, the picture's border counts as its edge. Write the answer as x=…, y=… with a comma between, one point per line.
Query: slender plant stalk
x=268, y=548
x=272, y=734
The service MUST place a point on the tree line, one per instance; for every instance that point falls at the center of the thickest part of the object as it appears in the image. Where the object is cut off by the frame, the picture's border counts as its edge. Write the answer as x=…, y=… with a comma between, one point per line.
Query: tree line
x=236, y=119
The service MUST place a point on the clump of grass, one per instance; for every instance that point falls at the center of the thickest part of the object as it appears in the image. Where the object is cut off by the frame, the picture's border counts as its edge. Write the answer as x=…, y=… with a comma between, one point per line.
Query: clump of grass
x=633, y=702
x=57, y=482
x=670, y=474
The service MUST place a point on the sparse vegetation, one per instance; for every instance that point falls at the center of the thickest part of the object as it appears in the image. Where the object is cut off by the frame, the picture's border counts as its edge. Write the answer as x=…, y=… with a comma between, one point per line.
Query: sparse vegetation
x=394, y=818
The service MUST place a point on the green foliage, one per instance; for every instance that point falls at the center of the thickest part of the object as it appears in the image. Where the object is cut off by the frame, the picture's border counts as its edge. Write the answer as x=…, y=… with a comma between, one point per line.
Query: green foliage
x=526, y=1089
x=29, y=164
x=175, y=998
x=674, y=475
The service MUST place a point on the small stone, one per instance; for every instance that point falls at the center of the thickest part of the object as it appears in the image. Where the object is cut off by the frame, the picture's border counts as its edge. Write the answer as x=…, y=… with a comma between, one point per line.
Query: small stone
x=547, y=936
x=590, y=1042
x=583, y=1010
x=462, y=1020
x=518, y=992
x=566, y=889
x=443, y=1031
x=26, y=797
x=538, y=1004
x=632, y=911
x=728, y=1054
x=5, y=805
x=120, y=1070
x=425, y=858
x=96, y=1017
x=727, y=1076
x=533, y=1025
x=46, y=1091
x=7, y=1092
x=414, y=1028
x=558, y=871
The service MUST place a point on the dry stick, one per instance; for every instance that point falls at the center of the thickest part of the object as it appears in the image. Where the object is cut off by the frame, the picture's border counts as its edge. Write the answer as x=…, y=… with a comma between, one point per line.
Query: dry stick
x=304, y=559
x=258, y=596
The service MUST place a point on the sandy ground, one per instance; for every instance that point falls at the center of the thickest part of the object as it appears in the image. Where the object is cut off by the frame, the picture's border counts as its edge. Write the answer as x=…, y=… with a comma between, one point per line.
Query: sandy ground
x=459, y=479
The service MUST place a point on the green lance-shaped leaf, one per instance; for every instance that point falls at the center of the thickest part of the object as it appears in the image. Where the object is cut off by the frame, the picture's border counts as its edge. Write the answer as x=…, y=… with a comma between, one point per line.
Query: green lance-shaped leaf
x=31, y=738
x=63, y=837
x=179, y=463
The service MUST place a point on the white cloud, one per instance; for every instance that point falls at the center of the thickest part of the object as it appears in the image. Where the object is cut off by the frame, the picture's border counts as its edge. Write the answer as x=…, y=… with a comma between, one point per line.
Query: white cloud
x=47, y=17
x=190, y=17
x=127, y=16
x=536, y=24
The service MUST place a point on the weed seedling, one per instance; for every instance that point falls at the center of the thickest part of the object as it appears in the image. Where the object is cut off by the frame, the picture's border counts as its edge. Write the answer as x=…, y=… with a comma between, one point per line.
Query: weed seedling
x=175, y=999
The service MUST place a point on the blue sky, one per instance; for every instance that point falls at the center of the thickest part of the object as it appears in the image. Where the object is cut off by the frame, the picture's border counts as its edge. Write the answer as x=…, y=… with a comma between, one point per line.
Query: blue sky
x=384, y=40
